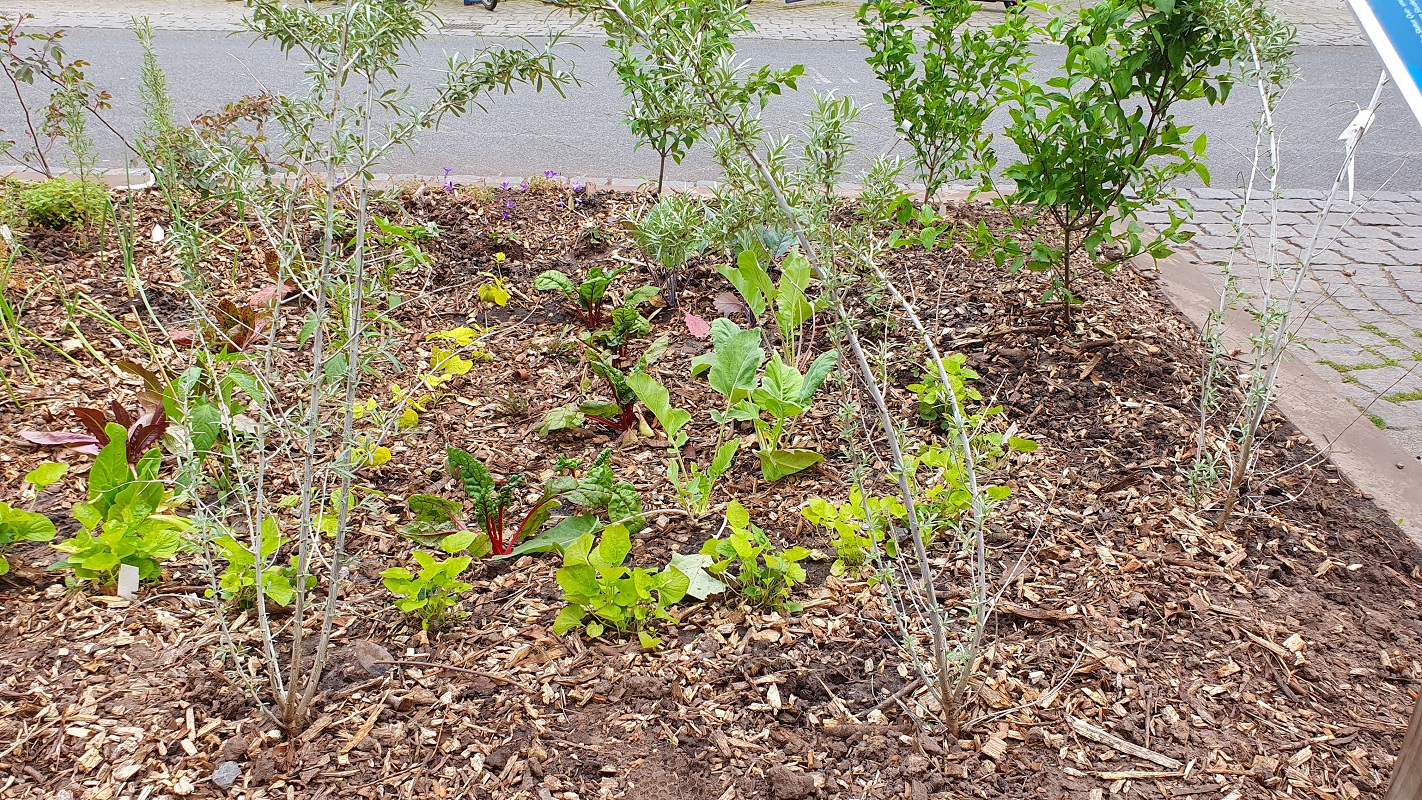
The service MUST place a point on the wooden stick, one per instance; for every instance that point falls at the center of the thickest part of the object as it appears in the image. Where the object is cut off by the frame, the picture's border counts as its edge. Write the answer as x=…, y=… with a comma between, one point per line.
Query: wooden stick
x=1095, y=734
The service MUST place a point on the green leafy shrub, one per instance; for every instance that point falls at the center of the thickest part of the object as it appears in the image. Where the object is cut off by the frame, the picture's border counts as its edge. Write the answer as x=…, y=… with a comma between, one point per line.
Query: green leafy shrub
x=122, y=523
x=764, y=576
x=603, y=594
x=60, y=202
x=432, y=594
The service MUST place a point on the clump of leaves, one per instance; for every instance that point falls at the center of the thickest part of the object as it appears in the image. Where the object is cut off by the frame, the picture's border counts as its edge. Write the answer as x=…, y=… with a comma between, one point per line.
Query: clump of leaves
x=589, y=298
x=432, y=594
x=230, y=327
x=121, y=522
x=490, y=533
x=861, y=526
x=763, y=575
x=602, y=594
x=693, y=484
x=18, y=525
x=141, y=431
x=933, y=396
x=238, y=581
x=618, y=413
x=782, y=393
x=61, y=202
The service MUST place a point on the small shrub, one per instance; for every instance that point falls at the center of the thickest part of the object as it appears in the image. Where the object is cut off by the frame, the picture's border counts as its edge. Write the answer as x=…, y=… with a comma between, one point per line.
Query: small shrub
x=61, y=202
x=602, y=594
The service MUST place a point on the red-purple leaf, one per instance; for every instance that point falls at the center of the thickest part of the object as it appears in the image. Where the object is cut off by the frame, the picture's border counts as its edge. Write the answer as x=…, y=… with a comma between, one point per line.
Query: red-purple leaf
x=121, y=415
x=696, y=326
x=58, y=438
x=93, y=421
x=183, y=337
x=146, y=433
x=264, y=296
x=729, y=304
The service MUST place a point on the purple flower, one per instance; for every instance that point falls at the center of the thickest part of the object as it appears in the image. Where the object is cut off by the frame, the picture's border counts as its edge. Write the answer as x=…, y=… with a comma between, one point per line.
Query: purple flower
x=577, y=187
x=509, y=203
x=548, y=173
x=560, y=203
x=506, y=186
x=577, y=201
x=523, y=187
x=506, y=215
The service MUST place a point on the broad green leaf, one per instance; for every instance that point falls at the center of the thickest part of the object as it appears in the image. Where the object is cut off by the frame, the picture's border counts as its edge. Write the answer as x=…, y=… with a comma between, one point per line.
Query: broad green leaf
x=655, y=397
x=736, y=516
x=561, y=418
x=432, y=508
x=18, y=525
x=558, y=537
x=737, y=360
x=578, y=580
x=648, y=641
x=204, y=422
x=110, y=469
x=819, y=370
x=613, y=549
x=778, y=464
x=569, y=618
x=46, y=474
x=553, y=280
x=724, y=454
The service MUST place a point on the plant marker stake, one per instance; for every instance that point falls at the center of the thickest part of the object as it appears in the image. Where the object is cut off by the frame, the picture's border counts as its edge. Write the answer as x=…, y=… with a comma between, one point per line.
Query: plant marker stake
x=127, y=581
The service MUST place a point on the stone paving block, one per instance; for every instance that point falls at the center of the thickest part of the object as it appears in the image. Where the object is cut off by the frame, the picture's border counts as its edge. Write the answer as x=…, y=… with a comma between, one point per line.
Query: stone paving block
x=1383, y=380
x=1367, y=275
x=1298, y=205
x=1391, y=196
x=1375, y=218
x=1402, y=307
x=1213, y=193
x=1355, y=303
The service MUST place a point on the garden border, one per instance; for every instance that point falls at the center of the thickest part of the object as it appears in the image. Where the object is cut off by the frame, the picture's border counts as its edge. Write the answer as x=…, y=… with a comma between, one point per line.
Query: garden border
x=1364, y=455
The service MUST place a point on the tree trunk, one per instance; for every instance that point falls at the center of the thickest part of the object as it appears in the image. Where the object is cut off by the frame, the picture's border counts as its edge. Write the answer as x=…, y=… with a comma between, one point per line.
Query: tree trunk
x=1407, y=772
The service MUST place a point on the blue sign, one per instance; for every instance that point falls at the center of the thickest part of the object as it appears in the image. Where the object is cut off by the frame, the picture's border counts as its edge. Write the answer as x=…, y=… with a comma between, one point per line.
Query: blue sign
x=1395, y=29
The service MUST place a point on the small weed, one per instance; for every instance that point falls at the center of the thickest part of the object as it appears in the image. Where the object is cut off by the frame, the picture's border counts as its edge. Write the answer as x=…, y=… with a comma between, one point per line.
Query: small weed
x=1404, y=397
x=1377, y=422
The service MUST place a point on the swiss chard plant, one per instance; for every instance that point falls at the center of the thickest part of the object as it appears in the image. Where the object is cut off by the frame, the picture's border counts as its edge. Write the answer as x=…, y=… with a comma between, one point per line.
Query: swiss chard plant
x=762, y=574
x=588, y=298
x=619, y=412
x=124, y=519
x=488, y=530
x=431, y=594
x=602, y=594
x=780, y=393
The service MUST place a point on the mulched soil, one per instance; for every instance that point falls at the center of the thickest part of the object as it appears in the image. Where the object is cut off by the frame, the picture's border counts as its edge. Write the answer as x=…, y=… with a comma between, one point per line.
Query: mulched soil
x=1271, y=659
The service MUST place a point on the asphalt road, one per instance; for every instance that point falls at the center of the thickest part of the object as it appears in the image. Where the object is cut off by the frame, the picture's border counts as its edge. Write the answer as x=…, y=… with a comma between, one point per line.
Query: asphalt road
x=580, y=135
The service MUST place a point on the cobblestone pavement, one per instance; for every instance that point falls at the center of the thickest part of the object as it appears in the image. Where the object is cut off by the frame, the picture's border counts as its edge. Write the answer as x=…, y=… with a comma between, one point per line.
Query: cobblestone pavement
x=1320, y=22
x=1363, y=295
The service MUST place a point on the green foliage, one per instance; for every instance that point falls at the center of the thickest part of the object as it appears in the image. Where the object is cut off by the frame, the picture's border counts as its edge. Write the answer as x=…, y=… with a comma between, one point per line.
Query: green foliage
x=672, y=231
x=61, y=202
x=121, y=523
x=440, y=519
x=788, y=298
x=861, y=526
x=663, y=112
x=432, y=594
x=18, y=525
x=942, y=86
x=46, y=475
x=782, y=393
x=693, y=484
x=882, y=196
x=1099, y=140
x=238, y=581
x=588, y=297
x=763, y=575
x=933, y=396
x=602, y=594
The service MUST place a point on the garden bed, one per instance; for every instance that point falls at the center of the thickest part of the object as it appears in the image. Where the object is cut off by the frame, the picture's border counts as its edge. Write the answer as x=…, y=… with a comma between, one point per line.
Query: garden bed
x=1270, y=659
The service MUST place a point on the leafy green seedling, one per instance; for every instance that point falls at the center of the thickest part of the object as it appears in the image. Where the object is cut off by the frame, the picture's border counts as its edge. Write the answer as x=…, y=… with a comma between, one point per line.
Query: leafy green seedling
x=588, y=298
x=693, y=484
x=764, y=576
x=18, y=525
x=603, y=594
x=432, y=594
x=857, y=534
x=238, y=581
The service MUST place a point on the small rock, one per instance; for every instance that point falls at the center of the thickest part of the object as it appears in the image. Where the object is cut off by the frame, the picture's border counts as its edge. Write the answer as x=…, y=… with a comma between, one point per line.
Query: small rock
x=226, y=774
x=786, y=784
x=369, y=656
